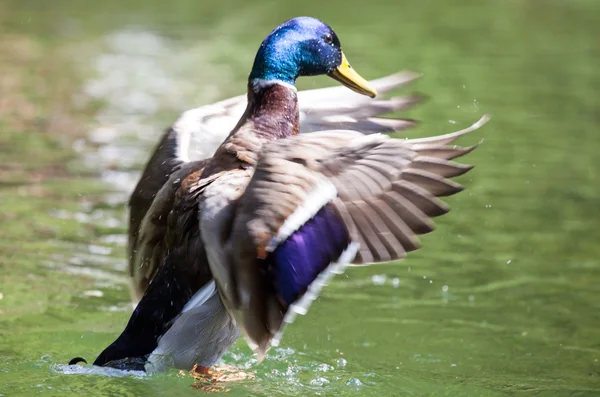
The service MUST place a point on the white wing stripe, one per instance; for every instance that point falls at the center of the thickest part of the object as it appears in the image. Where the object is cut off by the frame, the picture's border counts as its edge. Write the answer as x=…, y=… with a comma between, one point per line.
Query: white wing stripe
x=322, y=194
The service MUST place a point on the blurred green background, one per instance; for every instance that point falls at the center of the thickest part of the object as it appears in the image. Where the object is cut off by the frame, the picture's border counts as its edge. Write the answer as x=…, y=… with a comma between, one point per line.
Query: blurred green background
x=503, y=299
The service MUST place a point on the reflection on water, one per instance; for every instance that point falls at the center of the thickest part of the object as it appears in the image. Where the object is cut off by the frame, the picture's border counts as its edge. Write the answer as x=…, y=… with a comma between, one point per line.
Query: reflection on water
x=503, y=298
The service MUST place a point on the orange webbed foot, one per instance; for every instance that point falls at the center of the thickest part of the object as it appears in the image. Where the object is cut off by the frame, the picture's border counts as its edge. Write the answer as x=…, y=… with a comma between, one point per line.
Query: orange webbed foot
x=212, y=379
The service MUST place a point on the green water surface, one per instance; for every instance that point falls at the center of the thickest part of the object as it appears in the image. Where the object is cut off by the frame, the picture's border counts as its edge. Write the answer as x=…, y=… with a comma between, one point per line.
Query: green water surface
x=503, y=299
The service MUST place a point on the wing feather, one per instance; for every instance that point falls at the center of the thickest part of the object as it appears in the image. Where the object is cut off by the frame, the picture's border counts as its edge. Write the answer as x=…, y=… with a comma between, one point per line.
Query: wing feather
x=374, y=246
x=433, y=183
x=361, y=168
x=444, y=168
x=383, y=193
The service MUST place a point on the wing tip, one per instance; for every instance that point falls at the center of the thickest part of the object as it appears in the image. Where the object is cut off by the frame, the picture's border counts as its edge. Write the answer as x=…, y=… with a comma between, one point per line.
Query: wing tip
x=446, y=139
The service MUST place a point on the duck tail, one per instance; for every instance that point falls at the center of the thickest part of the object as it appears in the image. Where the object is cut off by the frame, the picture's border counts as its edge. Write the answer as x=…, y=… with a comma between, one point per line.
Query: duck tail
x=77, y=360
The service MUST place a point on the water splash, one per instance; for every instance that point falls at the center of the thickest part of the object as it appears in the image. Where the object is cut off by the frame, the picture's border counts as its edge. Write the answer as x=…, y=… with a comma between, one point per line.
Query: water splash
x=96, y=370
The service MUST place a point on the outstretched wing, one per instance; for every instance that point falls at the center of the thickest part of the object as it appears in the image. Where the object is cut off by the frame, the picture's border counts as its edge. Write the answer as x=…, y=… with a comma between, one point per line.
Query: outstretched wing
x=317, y=202
x=203, y=129
x=338, y=108
x=198, y=132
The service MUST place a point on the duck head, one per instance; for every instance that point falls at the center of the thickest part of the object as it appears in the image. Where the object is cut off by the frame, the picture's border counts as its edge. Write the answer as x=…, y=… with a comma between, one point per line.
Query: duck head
x=305, y=46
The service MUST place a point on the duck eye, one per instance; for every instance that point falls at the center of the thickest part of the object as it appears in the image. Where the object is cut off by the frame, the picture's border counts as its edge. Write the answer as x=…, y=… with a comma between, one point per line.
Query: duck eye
x=328, y=38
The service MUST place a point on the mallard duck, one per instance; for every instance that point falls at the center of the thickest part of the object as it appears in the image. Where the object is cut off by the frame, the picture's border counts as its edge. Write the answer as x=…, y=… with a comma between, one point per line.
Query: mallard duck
x=244, y=240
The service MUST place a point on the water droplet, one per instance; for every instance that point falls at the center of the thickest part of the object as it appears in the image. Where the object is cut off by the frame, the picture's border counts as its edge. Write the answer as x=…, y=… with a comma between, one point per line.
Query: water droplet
x=354, y=382
x=320, y=381
x=325, y=368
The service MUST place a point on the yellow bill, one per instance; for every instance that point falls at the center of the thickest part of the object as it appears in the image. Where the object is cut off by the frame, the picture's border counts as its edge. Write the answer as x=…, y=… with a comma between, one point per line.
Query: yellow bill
x=346, y=75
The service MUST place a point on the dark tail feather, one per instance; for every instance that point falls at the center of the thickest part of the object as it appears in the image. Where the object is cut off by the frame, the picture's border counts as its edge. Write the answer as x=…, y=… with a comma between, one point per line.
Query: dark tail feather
x=77, y=360
x=163, y=301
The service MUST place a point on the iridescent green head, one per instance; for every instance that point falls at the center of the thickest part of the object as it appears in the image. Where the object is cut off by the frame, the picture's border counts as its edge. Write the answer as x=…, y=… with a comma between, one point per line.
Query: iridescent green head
x=305, y=46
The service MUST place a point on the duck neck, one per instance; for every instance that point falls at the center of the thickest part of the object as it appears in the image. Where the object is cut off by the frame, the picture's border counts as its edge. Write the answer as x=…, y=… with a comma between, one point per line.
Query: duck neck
x=271, y=114
x=272, y=109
